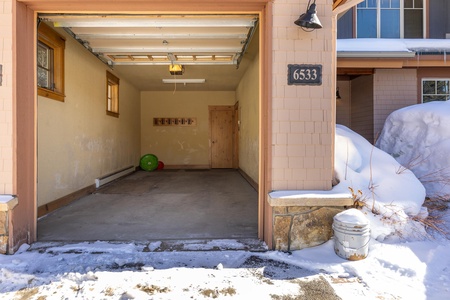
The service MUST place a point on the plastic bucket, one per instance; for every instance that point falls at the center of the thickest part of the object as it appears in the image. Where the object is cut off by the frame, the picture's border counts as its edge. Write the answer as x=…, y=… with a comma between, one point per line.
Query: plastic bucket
x=351, y=234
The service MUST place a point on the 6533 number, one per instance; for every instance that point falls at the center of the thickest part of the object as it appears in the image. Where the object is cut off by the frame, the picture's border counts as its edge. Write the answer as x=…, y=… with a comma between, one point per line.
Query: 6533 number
x=305, y=74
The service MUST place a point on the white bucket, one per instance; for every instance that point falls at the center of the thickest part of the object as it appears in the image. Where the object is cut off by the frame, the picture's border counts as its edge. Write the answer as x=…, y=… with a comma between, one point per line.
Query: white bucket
x=351, y=234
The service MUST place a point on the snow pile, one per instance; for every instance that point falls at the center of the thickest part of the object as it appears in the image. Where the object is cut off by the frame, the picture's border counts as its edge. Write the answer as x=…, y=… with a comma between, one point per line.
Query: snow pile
x=352, y=216
x=389, y=194
x=418, y=137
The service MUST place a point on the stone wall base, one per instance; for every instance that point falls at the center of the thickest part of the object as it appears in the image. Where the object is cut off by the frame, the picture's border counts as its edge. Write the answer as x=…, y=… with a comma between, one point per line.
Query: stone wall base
x=7, y=203
x=296, y=227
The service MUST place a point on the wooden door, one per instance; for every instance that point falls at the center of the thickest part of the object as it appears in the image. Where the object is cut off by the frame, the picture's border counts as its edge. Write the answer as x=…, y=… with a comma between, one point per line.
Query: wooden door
x=222, y=136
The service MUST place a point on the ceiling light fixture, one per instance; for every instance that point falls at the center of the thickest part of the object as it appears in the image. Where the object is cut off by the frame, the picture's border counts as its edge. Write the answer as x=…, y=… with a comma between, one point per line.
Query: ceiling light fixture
x=309, y=19
x=184, y=81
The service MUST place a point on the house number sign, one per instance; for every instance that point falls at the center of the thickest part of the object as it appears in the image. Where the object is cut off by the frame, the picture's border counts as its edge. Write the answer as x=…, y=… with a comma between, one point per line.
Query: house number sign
x=304, y=74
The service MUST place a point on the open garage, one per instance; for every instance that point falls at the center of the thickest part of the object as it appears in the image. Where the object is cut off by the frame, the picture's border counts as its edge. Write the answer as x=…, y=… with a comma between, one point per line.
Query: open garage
x=182, y=87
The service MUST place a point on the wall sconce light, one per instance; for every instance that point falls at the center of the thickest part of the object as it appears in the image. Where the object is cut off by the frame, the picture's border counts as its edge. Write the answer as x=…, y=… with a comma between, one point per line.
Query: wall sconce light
x=309, y=19
x=338, y=96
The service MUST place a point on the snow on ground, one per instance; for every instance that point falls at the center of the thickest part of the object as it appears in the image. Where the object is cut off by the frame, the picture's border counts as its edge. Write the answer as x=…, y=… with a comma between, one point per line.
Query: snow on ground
x=418, y=136
x=403, y=262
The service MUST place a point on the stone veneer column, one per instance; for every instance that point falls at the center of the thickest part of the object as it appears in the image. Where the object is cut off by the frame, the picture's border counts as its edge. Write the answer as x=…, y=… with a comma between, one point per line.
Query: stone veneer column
x=303, y=124
x=7, y=203
x=302, y=227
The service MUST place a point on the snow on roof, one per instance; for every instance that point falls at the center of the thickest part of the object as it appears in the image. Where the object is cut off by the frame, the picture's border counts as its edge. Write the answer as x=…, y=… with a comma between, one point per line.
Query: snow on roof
x=390, y=47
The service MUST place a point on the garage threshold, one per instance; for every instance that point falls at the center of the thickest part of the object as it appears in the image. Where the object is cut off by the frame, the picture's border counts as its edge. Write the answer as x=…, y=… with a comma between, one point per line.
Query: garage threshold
x=180, y=208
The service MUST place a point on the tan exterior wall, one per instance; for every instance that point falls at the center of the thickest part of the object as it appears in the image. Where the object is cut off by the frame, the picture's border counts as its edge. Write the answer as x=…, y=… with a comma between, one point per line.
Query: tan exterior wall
x=179, y=145
x=6, y=98
x=247, y=93
x=393, y=89
x=362, y=106
x=302, y=116
x=77, y=141
x=343, y=105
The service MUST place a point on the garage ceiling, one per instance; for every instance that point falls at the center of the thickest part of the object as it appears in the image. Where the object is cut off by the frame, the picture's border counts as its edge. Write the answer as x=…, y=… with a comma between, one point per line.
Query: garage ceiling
x=142, y=47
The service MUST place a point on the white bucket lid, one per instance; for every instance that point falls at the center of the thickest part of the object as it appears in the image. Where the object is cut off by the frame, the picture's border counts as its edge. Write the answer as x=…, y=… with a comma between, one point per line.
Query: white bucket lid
x=352, y=216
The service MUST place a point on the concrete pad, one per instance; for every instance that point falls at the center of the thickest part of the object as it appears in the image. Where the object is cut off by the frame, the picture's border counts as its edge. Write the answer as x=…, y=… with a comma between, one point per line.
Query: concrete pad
x=160, y=205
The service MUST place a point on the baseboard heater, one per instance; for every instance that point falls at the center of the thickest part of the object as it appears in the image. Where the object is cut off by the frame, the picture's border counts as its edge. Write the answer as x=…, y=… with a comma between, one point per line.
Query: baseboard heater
x=113, y=176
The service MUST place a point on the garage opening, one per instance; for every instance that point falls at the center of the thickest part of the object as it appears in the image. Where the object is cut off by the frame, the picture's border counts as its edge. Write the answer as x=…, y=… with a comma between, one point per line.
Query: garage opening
x=182, y=87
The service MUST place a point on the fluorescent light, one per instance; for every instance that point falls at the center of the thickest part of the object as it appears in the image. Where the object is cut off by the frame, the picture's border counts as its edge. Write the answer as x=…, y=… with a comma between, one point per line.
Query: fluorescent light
x=184, y=81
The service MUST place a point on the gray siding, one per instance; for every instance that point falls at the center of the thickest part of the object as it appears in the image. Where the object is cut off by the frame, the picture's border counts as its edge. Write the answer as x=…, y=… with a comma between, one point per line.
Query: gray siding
x=362, y=106
x=439, y=18
x=345, y=26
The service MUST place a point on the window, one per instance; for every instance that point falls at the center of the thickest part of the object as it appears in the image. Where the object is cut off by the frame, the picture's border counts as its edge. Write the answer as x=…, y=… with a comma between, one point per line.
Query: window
x=413, y=15
x=435, y=89
x=390, y=19
x=50, y=63
x=45, y=66
x=112, y=95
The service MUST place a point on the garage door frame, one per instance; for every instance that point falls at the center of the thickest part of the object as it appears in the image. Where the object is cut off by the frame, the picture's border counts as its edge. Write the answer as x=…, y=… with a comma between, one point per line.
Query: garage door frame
x=24, y=216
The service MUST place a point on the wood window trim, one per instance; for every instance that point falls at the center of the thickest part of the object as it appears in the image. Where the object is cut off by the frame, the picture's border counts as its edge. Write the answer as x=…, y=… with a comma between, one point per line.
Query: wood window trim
x=112, y=79
x=55, y=41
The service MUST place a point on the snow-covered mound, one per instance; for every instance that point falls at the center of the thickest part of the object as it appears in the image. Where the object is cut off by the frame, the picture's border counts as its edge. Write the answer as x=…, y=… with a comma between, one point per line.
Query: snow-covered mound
x=418, y=137
x=389, y=193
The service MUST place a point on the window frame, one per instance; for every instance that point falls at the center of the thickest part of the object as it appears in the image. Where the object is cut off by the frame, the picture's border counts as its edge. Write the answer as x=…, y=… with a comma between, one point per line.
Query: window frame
x=112, y=82
x=436, y=94
x=401, y=18
x=57, y=43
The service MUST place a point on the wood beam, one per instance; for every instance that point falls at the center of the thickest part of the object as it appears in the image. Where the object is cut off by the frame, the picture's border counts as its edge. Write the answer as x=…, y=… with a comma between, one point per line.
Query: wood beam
x=355, y=71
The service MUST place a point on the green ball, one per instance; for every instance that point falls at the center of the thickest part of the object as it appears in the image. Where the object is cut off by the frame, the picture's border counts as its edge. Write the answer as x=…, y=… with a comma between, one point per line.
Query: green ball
x=149, y=162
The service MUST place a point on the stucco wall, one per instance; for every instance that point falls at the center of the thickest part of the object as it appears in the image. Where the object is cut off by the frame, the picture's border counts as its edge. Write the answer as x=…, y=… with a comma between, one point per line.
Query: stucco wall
x=303, y=116
x=393, y=89
x=77, y=141
x=179, y=145
x=6, y=99
x=247, y=93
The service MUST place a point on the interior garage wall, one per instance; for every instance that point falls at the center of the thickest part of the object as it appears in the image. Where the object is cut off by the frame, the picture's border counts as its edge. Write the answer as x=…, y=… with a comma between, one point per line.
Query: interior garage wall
x=77, y=141
x=247, y=93
x=179, y=146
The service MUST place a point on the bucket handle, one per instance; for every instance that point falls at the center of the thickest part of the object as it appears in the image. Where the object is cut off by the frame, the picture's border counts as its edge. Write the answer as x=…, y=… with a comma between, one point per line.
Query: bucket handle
x=348, y=249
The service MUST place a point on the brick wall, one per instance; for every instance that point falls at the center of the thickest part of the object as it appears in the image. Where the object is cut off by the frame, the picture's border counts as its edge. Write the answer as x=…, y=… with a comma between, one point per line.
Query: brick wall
x=393, y=89
x=302, y=116
x=6, y=96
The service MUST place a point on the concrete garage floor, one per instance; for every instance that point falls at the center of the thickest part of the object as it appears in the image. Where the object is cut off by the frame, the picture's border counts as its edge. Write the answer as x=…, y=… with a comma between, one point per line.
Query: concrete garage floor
x=160, y=205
